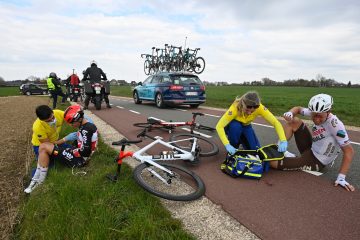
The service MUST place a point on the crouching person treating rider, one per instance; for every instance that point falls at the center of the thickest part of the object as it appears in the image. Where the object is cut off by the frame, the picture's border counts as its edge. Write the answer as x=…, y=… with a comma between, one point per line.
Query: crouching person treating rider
x=75, y=156
x=234, y=127
x=320, y=146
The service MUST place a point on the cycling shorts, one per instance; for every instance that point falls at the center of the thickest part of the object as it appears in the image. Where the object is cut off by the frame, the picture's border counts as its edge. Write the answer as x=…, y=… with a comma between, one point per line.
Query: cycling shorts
x=65, y=156
x=307, y=160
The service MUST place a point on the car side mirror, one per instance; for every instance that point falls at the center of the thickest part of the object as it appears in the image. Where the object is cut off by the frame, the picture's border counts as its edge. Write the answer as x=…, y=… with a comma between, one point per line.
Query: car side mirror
x=139, y=83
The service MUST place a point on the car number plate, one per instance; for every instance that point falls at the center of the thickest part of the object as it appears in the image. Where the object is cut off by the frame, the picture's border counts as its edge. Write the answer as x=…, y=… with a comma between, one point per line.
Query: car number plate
x=191, y=93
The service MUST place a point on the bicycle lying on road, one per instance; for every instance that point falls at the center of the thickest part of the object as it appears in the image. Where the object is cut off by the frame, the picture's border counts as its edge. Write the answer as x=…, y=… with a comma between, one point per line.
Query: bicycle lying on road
x=169, y=181
x=153, y=123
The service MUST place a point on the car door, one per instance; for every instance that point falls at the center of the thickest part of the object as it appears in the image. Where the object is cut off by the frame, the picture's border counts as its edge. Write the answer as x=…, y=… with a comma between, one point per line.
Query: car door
x=142, y=89
x=37, y=90
x=153, y=86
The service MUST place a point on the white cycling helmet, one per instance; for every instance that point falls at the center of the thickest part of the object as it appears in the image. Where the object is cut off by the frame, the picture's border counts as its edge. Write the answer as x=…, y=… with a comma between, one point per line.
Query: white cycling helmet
x=93, y=62
x=320, y=103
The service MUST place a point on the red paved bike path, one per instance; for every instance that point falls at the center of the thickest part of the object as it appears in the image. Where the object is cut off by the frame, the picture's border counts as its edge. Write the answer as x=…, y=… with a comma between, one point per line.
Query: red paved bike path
x=282, y=205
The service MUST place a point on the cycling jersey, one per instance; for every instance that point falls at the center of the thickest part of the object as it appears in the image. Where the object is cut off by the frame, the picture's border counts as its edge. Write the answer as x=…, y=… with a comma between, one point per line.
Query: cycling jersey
x=87, y=138
x=327, y=137
x=232, y=113
x=42, y=130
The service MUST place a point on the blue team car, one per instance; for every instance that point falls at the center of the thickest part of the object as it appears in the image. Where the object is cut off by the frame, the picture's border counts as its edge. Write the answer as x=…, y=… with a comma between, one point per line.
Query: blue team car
x=171, y=88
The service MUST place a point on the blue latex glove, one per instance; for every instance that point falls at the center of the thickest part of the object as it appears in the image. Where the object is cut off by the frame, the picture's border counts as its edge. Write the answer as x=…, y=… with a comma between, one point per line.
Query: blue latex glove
x=230, y=149
x=283, y=145
x=71, y=136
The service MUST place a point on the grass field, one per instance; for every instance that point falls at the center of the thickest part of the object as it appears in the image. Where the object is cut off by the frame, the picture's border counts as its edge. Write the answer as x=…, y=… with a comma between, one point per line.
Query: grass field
x=9, y=91
x=279, y=99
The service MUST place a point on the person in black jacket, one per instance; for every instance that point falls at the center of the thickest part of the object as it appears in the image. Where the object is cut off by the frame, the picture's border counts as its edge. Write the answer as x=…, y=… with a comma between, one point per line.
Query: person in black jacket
x=54, y=87
x=95, y=74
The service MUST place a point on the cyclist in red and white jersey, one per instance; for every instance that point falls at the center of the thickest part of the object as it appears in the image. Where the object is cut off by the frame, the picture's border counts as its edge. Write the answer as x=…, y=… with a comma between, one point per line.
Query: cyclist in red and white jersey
x=75, y=156
x=320, y=146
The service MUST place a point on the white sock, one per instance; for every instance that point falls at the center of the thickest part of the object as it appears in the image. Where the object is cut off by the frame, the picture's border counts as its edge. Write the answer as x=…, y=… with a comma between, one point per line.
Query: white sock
x=36, y=174
x=43, y=172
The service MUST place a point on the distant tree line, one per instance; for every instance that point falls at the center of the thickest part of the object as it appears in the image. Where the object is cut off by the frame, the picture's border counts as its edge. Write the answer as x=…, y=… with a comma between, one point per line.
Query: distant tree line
x=319, y=81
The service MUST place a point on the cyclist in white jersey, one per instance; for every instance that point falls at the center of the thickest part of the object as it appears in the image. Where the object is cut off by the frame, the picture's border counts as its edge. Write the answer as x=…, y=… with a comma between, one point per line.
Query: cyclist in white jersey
x=321, y=146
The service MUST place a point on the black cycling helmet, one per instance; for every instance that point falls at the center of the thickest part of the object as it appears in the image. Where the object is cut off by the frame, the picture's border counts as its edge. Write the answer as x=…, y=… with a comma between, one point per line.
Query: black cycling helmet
x=52, y=75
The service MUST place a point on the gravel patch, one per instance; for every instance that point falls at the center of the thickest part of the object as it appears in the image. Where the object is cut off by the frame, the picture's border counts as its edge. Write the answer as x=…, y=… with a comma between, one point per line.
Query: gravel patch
x=204, y=219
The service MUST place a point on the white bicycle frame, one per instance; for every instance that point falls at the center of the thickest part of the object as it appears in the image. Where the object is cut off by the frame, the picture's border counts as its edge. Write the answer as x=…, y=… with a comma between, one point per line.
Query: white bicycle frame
x=175, y=154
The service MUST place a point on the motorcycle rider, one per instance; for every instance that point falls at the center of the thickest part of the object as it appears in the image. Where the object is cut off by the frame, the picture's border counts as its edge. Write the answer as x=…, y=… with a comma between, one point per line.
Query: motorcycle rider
x=95, y=74
x=72, y=82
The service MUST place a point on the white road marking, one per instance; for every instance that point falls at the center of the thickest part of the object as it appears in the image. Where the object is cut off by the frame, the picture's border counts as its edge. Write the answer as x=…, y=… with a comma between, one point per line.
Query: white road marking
x=313, y=172
x=211, y=115
x=202, y=134
x=134, y=111
x=263, y=125
x=183, y=110
x=120, y=107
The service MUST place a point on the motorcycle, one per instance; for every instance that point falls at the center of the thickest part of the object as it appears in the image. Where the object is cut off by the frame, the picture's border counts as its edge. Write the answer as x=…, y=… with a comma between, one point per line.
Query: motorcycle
x=75, y=93
x=97, y=91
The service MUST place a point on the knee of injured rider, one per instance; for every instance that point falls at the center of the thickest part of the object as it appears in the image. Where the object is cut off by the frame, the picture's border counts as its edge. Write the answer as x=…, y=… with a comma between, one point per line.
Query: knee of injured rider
x=274, y=164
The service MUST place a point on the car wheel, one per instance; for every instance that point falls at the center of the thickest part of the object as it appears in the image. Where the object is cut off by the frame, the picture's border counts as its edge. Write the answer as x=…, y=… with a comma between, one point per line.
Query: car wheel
x=28, y=93
x=159, y=101
x=136, y=98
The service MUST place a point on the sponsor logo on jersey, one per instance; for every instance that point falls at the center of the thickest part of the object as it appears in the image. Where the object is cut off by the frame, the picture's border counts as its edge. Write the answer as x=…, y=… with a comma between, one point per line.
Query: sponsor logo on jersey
x=229, y=113
x=341, y=133
x=334, y=122
x=39, y=135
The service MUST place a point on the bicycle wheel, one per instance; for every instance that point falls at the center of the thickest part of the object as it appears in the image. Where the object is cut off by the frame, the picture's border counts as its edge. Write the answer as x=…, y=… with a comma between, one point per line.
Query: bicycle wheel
x=199, y=65
x=207, y=147
x=183, y=185
x=151, y=126
x=202, y=127
x=147, y=68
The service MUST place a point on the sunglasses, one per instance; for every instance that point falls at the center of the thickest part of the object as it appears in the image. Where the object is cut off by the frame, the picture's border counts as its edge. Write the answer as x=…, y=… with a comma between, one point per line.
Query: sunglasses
x=252, y=107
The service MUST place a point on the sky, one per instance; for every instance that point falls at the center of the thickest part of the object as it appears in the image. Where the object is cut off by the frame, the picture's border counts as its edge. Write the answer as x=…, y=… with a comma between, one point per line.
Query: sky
x=240, y=40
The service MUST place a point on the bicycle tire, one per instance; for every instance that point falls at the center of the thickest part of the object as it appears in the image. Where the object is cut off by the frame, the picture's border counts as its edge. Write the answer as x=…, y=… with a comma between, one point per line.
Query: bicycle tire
x=207, y=147
x=191, y=189
x=151, y=126
x=199, y=66
x=202, y=127
x=143, y=125
x=147, y=65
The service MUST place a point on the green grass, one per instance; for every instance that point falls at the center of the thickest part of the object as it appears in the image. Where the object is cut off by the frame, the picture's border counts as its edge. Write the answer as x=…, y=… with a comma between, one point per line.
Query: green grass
x=279, y=99
x=9, y=91
x=71, y=206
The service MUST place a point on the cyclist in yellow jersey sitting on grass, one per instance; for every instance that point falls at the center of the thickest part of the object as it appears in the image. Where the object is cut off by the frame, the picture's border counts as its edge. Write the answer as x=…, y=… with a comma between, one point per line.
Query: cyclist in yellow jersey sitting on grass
x=47, y=127
x=234, y=127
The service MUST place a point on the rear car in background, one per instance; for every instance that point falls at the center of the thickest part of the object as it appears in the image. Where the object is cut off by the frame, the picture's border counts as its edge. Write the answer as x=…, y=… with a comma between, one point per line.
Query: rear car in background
x=33, y=89
x=171, y=88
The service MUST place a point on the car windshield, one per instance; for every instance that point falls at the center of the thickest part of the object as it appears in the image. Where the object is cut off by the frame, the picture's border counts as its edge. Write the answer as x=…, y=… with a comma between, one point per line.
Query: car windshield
x=185, y=80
